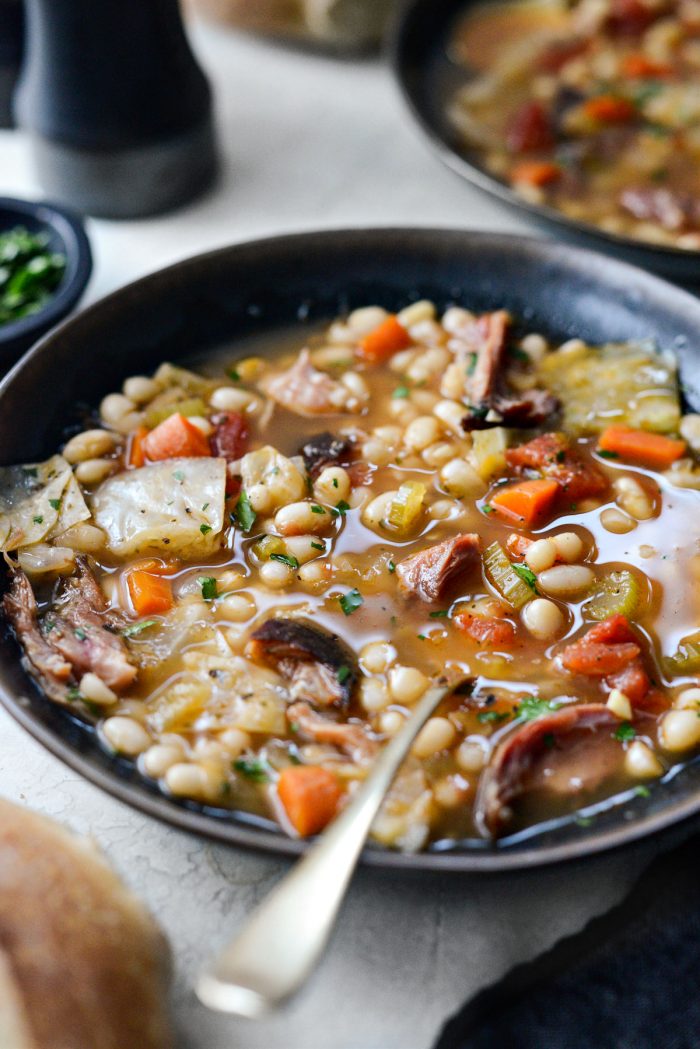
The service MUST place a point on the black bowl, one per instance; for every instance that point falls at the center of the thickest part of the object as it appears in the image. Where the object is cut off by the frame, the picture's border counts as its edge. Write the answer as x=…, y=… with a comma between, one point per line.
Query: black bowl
x=258, y=288
x=66, y=235
x=428, y=78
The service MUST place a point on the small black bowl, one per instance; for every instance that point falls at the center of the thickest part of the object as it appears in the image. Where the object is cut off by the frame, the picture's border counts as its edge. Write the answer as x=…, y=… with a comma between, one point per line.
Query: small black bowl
x=67, y=236
x=428, y=78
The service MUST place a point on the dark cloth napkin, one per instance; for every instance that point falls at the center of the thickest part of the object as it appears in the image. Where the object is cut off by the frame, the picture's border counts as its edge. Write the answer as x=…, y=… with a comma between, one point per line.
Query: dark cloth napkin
x=629, y=980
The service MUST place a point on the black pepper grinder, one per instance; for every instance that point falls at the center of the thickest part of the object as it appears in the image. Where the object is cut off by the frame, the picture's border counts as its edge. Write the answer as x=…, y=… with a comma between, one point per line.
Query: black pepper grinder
x=117, y=109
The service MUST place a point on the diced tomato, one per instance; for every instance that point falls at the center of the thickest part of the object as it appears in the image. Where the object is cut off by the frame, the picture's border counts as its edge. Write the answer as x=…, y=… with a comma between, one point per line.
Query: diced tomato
x=517, y=546
x=609, y=109
x=487, y=630
x=535, y=172
x=613, y=630
x=230, y=438
x=633, y=681
x=558, y=53
x=174, y=438
x=639, y=67
x=529, y=128
x=552, y=455
x=596, y=659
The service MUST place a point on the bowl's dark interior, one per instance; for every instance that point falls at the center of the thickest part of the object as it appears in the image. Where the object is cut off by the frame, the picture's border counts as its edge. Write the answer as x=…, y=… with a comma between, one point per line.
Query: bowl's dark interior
x=261, y=287
x=429, y=79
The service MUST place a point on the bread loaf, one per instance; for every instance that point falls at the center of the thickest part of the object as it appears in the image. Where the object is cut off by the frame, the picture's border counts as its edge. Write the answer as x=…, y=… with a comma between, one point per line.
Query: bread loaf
x=82, y=963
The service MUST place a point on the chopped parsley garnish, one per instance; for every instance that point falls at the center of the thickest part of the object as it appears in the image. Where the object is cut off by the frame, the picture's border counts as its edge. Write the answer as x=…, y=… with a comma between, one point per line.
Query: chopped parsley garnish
x=179, y=476
x=210, y=588
x=205, y=505
x=318, y=546
x=244, y=514
x=442, y=614
x=316, y=509
x=583, y=821
x=473, y=357
x=486, y=717
x=624, y=732
x=401, y=392
x=351, y=601
x=391, y=566
x=80, y=633
x=560, y=456
x=252, y=768
x=340, y=509
x=642, y=792
x=233, y=374
x=73, y=694
x=38, y=520
x=55, y=504
x=31, y=471
x=527, y=576
x=205, y=529
x=138, y=628
x=335, y=482
x=549, y=740
x=285, y=559
x=422, y=637
x=518, y=354
x=530, y=707
x=343, y=674
x=607, y=455
x=94, y=708
x=486, y=508
x=31, y=273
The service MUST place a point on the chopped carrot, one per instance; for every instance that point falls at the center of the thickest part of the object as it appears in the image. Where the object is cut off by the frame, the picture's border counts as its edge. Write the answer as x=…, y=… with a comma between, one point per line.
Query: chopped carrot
x=149, y=594
x=609, y=109
x=387, y=339
x=639, y=67
x=535, y=172
x=527, y=502
x=310, y=796
x=487, y=630
x=136, y=456
x=175, y=437
x=652, y=449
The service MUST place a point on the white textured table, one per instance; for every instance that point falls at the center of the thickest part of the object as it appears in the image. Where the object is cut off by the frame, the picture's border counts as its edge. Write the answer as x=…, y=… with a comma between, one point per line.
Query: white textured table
x=308, y=142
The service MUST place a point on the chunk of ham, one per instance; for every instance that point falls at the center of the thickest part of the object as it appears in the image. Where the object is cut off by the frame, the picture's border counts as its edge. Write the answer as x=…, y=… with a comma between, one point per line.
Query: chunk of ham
x=318, y=666
x=430, y=573
x=305, y=390
x=569, y=751
x=490, y=402
x=352, y=738
x=552, y=456
x=78, y=635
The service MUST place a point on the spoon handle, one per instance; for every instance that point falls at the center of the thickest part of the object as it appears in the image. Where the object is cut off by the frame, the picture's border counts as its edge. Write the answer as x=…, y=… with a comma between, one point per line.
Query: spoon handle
x=275, y=952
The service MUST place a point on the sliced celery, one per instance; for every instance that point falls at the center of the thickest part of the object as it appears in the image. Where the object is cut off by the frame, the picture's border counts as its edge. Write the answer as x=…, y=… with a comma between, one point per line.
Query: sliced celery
x=686, y=659
x=502, y=574
x=406, y=506
x=190, y=406
x=614, y=594
x=269, y=545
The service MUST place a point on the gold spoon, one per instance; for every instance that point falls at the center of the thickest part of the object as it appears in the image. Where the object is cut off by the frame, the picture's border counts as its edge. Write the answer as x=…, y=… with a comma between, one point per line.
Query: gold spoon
x=279, y=946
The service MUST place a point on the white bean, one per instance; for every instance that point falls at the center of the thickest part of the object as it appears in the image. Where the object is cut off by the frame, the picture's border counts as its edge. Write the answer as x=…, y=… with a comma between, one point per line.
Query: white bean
x=365, y=319
x=90, y=444
x=373, y=694
x=680, y=730
x=690, y=430
x=305, y=547
x=92, y=471
x=451, y=414
x=115, y=406
x=422, y=432
x=159, y=758
x=301, y=518
x=423, y=310
x=186, y=780
x=535, y=346
x=140, y=390
x=235, y=741
x=390, y=721
x=641, y=762
x=276, y=575
x=566, y=579
x=438, y=454
x=377, y=657
x=126, y=735
x=619, y=705
x=542, y=618
x=407, y=684
x=613, y=520
x=332, y=484
x=437, y=734
x=541, y=555
x=633, y=498
x=93, y=688
x=569, y=546
x=374, y=514
x=471, y=755
x=688, y=699
x=460, y=479
x=230, y=399
x=238, y=607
